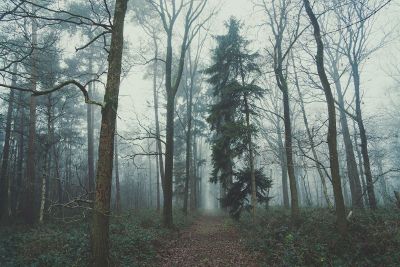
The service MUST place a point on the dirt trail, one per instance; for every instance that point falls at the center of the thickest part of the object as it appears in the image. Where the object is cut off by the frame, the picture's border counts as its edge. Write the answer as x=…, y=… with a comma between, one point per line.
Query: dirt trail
x=210, y=241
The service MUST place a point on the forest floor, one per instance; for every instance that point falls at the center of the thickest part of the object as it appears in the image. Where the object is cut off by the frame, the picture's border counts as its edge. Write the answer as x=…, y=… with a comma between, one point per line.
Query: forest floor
x=373, y=238
x=138, y=239
x=212, y=240
x=135, y=237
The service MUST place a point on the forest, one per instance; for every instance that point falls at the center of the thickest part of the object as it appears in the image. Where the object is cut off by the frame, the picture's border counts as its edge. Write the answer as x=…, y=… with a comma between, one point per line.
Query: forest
x=199, y=133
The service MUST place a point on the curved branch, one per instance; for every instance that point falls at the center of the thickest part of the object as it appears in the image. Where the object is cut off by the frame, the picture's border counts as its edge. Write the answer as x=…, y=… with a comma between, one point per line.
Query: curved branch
x=56, y=88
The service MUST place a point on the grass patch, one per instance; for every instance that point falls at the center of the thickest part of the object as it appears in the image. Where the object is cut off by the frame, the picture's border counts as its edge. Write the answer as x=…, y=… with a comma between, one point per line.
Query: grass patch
x=373, y=239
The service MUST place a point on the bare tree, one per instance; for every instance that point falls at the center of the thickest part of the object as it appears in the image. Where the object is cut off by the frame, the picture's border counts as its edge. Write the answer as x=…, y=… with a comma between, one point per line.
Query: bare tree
x=310, y=136
x=355, y=48
x=283, y=34
x=333, y=54
x=152, y=27
x=169, y=14
x=194, y=83
x=332, y=131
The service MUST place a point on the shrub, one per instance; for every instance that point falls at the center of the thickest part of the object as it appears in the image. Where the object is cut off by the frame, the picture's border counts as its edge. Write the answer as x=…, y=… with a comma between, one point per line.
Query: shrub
x=373, y=239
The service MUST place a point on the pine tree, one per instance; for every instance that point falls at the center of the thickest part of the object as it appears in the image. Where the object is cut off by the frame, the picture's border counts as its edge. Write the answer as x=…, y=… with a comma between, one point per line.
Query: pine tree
x=233, y=77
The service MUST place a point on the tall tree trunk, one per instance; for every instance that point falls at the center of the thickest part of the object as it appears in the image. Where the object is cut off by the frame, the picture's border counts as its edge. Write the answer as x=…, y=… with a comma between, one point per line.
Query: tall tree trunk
x=298, y=183
x=101, y=213
x=29, y=205
x=360, y=165
x=332, y=132
x=18, y=191
x=226, y=184
x=150, y=174
x=43, y=189
x=13, y=186
x=251, y=160
x=194, y=180
x=160, y=161
x=281, y=79
x=283, y=164
x=354, y=178
x=47, y=159
x=385, y=195
x=4, y=175
x=59, y=181
x=90, y=136
x=117, y=186
x=198, y=171
x=172, y=81
x=50, y=128
x=289, y=156
x=312, y=144
x=282, y=84
x=158, y=182
x=363, y=137
x=188, y=180
x=169, y=161
x=171, y=90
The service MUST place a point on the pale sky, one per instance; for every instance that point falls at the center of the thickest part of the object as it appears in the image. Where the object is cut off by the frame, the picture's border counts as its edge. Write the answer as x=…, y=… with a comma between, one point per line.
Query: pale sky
x=137, y=92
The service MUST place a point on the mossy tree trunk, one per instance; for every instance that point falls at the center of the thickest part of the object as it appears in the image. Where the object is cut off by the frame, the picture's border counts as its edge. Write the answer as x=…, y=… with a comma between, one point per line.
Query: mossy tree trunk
x=101, y=213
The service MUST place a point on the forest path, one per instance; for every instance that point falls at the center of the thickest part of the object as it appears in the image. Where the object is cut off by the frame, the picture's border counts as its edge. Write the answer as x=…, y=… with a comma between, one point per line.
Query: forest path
x=210, y=241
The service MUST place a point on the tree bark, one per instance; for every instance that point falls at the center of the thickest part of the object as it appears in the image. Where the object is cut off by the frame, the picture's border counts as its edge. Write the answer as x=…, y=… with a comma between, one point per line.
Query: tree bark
x=158, y=182
x=160, y=161
x=189, y=177
x=46, y=164
x=4, y=175
x=117, y=186
x=251, y=159
x=353, y=175
x=29, y=207
x=90, y=133
x=289, y=156
x=363, y=137
x=172, y=81
x=43, y=190
x=332, y=131
x=278, y=24
x=194, y=180
x=150, y=174
x=282, y=84
x=360, y=164
x=56, y=155
x=101, y=213
x=21, y=126
x=169, y=161
x=284, y=172
x=354, y=178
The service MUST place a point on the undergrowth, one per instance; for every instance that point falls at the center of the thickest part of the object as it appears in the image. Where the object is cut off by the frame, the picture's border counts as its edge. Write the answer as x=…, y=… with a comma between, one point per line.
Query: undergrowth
x=135, y=238
x=373, y=238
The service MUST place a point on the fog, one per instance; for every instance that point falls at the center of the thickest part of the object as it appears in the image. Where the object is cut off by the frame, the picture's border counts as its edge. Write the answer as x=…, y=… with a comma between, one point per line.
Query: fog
x=129, y=121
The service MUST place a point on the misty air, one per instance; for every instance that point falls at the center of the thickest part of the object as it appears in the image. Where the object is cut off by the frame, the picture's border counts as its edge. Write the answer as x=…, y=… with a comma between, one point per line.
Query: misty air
x=199, y=133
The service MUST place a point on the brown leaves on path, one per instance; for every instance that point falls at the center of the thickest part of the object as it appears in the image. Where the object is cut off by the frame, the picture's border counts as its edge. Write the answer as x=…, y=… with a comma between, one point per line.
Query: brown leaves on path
x=210, y=241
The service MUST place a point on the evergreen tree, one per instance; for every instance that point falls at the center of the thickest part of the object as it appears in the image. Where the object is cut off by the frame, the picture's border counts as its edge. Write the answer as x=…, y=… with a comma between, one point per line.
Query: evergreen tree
x=233, y=77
